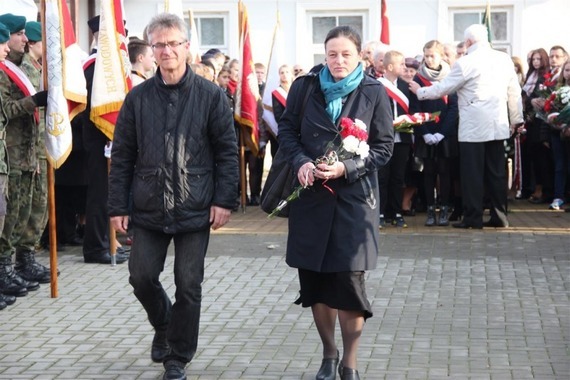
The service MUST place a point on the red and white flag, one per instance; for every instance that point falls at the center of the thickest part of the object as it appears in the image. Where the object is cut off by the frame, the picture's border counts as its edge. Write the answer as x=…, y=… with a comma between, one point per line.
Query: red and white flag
x=385, y=31
x=66, y=82
x=247, y=92
x=111, y=79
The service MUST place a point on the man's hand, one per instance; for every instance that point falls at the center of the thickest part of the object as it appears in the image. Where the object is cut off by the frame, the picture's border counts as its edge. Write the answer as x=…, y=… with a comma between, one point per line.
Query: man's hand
x=219, y=217
x=438, y=137
x=120, y=223
x=414, y=87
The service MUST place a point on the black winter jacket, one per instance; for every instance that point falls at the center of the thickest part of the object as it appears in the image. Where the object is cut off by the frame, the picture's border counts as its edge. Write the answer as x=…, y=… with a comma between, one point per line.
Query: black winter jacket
x=176, y=146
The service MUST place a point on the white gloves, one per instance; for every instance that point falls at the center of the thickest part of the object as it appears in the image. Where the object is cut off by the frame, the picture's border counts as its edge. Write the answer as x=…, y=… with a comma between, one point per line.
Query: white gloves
x=433, y=139
x=430, y=139
x=438, y=137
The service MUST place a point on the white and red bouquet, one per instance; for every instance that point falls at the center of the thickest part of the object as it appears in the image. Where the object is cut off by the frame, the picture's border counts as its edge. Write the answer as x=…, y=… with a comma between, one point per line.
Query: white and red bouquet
x=354, y=136
x=406, y=123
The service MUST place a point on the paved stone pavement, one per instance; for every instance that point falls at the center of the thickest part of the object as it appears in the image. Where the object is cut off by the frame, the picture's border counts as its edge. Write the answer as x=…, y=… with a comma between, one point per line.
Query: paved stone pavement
x=448, y=304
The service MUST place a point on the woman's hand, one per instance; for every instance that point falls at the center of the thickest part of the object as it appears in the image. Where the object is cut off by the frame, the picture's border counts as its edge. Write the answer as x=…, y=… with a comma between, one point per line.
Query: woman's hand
x=325, y=172
x=306, y=174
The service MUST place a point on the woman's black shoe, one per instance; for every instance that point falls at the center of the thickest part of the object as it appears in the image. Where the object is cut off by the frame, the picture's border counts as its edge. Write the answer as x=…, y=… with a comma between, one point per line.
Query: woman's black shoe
x=349, y=374
x=328, y=369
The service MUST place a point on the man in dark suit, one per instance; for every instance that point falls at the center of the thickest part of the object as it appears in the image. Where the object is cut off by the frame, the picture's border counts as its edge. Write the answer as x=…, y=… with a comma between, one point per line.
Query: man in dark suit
x=392, y=175
x=96, y=235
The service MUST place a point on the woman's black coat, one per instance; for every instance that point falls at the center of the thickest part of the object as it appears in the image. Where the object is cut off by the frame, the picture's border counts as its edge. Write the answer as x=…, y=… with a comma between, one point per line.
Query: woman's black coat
x=334, y=228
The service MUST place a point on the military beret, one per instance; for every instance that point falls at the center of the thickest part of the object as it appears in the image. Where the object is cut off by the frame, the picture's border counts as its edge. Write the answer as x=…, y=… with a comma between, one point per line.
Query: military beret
x=4, y=33
x=94, y=24
x=34, y=31
x=13, y=22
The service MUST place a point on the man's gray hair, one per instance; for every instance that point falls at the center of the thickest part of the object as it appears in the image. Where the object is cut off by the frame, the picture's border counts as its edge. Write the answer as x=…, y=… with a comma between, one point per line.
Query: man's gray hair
x=166, y=21
x=476, y=33
x=380, y=50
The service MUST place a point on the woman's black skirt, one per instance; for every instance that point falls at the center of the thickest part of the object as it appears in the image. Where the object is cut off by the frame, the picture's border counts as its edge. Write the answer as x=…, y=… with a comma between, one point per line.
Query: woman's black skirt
x=342, y=291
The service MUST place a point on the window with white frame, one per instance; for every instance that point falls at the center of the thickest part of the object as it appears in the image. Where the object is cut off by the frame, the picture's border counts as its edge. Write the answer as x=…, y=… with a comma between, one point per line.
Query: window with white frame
x=212, y=31
x=320, y=22
x=501, y=25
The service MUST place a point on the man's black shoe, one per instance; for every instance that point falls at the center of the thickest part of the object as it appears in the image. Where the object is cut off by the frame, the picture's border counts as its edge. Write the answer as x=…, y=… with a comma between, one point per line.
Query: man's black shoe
x=495, y=224
x=9, y=300
x=160, y=347
x=104, y=258
x=124, y=251
x=174, y=370
x=466, y=226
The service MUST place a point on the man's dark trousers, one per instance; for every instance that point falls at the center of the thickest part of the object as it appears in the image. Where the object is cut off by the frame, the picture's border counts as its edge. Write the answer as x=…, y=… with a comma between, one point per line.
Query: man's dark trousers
x=483, y=167
x=146, y=262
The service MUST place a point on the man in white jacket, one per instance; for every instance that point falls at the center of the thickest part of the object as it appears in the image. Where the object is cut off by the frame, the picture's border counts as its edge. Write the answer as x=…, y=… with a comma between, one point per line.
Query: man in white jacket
x=490, y=106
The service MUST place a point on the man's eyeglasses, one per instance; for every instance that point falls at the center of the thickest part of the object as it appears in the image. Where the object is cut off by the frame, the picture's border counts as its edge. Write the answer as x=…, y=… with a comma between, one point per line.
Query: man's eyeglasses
x=170, y=44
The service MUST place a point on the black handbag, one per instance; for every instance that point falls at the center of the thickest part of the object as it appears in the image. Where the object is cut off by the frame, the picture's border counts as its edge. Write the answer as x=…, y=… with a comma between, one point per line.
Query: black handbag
x=281, y=179
x=279, y=185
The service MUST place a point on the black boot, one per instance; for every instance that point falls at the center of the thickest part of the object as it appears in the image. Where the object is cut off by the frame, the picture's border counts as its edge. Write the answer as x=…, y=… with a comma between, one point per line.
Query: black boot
x=3, y=304
x=7, y=284
x=29, y=269
x=8, y=300
x=430, y=221
x=443, y=216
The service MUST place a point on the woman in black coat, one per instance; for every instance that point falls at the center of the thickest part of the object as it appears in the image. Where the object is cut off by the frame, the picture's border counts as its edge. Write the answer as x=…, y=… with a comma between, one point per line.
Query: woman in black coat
x=333, y=226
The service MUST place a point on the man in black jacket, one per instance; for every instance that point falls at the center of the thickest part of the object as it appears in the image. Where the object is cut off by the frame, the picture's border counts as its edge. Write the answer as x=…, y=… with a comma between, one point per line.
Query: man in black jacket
x=175, y=146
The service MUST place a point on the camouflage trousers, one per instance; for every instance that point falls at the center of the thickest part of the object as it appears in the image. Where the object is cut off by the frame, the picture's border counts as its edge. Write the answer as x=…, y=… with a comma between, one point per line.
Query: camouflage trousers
x=38, y=214
x=20, y=231
x=3, y=195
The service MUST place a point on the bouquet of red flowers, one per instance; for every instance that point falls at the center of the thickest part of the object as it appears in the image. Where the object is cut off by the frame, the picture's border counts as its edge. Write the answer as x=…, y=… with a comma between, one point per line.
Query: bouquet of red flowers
x=354, y=136
x=406, y=123
x=557, y=100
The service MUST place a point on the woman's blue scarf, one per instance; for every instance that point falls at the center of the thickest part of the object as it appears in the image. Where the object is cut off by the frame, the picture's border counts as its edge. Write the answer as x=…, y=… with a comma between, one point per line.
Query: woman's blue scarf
x=335, y=91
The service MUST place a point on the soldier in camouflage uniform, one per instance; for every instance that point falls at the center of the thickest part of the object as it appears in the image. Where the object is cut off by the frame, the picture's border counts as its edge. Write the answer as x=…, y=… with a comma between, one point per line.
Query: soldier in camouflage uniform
x=5, y=299
x=20, y=102
x=35, y=225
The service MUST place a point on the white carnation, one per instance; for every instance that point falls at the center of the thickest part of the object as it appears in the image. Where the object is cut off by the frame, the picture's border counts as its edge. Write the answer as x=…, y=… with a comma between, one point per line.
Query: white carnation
x=350, y=144
x=363, y=149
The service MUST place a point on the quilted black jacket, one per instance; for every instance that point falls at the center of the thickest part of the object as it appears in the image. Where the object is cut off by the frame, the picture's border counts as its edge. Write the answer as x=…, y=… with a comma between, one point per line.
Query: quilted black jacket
x=176, y=146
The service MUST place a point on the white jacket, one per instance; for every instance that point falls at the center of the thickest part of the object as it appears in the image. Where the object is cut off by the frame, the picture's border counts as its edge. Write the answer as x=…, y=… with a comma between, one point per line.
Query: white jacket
x=488, y=90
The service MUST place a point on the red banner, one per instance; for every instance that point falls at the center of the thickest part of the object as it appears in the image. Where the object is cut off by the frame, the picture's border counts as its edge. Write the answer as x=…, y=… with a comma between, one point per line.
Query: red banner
x=385, y=32
x=247, y=92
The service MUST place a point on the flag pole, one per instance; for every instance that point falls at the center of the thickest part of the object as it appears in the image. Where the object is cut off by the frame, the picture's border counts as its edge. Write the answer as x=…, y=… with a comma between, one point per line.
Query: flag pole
x=243, y=180
x=50, y=176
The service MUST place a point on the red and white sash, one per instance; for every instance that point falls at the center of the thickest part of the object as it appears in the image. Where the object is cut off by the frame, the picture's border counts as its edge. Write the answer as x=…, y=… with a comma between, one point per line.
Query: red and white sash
x=281, y=95
x=395, y=94
x=21, y=80
x=426, y=82
x=89, y=61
